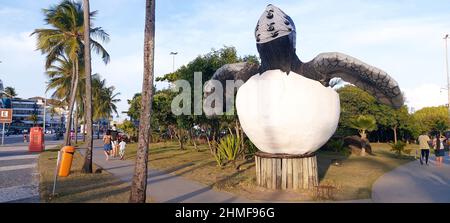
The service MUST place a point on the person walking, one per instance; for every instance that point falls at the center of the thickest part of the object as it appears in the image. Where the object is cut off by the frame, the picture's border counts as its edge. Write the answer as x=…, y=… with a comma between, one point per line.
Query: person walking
x=115, y=141
x=107, y=144
x=424, y=143
x=122, y=147
x=439, y=149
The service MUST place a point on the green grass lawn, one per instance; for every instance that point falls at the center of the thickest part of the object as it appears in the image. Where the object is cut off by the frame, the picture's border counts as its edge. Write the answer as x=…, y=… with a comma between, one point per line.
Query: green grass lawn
x=353, y=179
x=79, y=187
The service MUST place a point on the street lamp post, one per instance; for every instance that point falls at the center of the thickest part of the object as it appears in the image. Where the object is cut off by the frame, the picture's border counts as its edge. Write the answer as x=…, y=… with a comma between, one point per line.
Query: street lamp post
x=447, y=71
x=173, y=60
x=45, y=115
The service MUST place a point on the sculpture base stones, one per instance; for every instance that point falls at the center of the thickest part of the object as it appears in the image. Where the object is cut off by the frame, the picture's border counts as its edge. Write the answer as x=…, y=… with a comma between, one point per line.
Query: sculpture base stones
x=285, y=171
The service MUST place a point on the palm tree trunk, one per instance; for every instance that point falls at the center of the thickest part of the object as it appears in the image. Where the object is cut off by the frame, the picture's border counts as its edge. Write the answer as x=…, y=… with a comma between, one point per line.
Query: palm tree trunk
x=139, y=183
x=87, y=166
x=75, y=126
x=73, y=92
x=98, y=129
x=395, y=134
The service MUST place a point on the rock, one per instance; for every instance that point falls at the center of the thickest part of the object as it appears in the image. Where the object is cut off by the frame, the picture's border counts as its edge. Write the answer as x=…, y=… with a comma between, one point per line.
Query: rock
x=356, y=144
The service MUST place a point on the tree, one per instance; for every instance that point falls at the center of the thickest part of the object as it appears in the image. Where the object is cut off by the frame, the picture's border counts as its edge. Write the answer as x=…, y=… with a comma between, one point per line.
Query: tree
x=65, y=37
x=10, y=92
x=87, y=166
x=139, y=183
x=34, y=118
x=135, y=107
x=432, y=119
x=364, y=124
x=208, y=64
x=129, y=128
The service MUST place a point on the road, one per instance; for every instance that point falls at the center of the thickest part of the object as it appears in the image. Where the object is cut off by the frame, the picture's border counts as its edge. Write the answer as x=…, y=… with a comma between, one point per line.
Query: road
x=18, y=139
x=19, y=176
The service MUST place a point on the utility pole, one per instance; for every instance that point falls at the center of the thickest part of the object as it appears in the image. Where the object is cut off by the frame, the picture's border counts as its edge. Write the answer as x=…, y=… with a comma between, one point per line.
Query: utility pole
x=447, y=71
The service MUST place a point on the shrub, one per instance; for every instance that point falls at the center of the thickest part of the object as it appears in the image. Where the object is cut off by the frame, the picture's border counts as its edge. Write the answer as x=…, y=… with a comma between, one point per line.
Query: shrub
x=399, y=148
x=336, y=145
x=230, y=148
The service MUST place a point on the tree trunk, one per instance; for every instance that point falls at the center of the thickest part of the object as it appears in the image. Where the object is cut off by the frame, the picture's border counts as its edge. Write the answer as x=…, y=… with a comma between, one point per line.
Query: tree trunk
x=180, y=138
x=139, y=183
x=73, y=91
x=75, y=126
x=193, y=139
x=395, y=134
x=98, y=129
x=87, y=166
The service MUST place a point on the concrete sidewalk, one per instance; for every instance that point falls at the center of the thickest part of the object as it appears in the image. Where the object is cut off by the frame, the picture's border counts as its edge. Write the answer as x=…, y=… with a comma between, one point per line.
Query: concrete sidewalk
x=164, y=187
x=414, y=183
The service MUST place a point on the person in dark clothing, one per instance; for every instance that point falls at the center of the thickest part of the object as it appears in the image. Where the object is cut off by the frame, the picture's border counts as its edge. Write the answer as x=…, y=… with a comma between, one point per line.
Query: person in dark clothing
x=114, y=141
x=439, y=149
x=424, y=143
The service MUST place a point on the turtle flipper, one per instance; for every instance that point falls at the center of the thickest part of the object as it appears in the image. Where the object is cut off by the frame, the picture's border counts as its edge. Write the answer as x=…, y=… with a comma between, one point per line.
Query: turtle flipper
x=371, y=79
x=228, y=72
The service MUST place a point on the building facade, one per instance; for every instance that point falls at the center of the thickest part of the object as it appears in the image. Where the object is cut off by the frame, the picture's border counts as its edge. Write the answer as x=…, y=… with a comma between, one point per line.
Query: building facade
x=30, y=112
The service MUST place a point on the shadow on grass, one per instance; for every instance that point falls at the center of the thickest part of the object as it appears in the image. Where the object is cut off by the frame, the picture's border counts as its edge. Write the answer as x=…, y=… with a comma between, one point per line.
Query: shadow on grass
x=75, y=187
x=171, y=170
x=325, y=160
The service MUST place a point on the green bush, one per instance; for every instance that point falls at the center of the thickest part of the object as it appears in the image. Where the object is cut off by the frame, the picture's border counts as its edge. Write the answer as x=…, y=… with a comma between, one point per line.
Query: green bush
x=230, y=148
x=337, y=145
x=399, y=148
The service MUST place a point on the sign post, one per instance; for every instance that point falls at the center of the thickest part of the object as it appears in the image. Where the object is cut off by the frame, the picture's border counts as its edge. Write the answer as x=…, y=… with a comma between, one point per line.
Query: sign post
x=5, y=117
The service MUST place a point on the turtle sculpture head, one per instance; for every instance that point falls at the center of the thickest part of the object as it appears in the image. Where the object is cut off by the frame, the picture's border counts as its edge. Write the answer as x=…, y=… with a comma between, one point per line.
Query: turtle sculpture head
x=275, y=36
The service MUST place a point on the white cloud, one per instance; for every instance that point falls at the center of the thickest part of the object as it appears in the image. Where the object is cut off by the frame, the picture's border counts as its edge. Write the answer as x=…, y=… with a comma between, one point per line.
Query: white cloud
x=426, y=95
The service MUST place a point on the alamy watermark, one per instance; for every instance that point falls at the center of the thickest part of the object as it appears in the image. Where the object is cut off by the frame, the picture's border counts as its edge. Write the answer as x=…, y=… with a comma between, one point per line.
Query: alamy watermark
x=208, y=98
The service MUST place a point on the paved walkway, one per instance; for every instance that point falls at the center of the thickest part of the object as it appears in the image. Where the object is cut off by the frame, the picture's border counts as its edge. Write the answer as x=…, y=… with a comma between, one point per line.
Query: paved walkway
x=19, y=177
x=164, y=187
x=413, y=183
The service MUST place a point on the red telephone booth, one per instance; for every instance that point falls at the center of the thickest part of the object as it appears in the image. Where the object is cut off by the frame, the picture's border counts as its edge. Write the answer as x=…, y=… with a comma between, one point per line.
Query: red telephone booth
x=36, y=140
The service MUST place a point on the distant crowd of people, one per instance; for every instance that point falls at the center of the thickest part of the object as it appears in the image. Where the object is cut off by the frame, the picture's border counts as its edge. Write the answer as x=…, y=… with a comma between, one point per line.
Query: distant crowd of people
x=437, y=143
x=114, y=144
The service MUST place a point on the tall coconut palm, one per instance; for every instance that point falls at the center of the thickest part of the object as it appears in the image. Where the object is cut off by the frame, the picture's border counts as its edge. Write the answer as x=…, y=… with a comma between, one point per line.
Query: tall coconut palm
x=139, y=183
x=87, y=166
x=60, y=74
x=65, y=37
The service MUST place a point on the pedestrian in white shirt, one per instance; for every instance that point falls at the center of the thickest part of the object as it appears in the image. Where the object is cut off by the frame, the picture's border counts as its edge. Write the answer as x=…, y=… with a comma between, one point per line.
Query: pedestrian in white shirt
x=122, y=146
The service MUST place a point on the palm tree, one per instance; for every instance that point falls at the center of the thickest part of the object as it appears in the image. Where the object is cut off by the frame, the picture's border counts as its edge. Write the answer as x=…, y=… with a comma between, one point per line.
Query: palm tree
x=60, y=73
x=104, y=99
x=139, y=183
x=10, y=92
x=34, y=118
x=364, y=124
x=87, y=166
x=66, y=38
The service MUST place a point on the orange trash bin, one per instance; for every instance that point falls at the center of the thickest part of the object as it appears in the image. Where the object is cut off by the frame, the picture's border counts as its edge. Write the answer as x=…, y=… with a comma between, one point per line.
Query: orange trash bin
x=36, y=140
x=66, y=160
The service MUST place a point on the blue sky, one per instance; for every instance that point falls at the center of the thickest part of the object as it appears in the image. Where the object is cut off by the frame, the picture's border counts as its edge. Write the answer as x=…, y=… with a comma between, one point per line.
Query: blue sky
x=404, y=38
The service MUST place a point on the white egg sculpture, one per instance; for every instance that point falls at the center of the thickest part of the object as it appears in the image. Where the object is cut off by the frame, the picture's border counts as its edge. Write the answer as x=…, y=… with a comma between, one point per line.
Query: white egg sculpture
x=287, y=114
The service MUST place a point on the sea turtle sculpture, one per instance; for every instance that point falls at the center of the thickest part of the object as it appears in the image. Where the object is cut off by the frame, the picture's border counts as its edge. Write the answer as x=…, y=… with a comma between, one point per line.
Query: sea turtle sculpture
x=286, y=106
